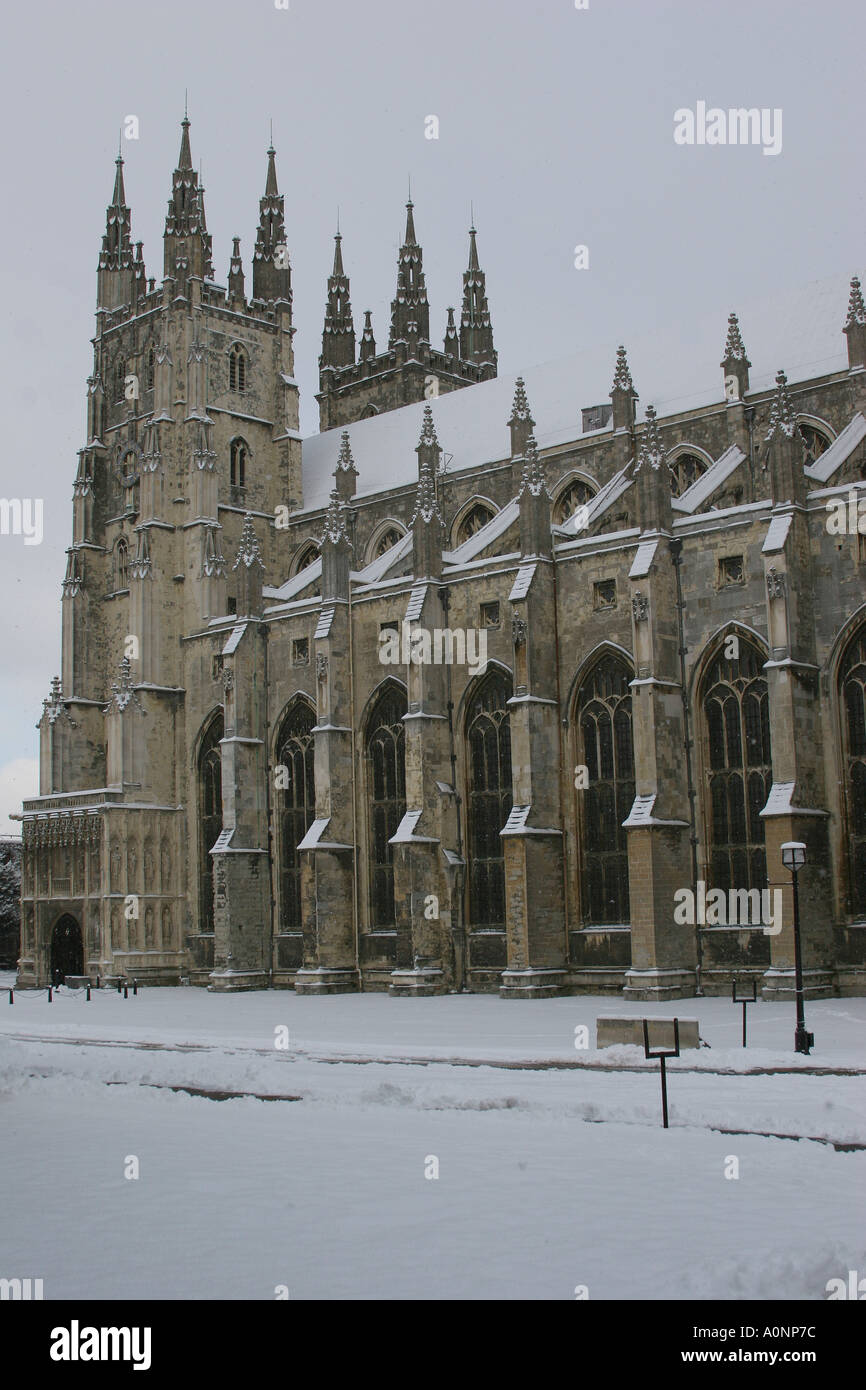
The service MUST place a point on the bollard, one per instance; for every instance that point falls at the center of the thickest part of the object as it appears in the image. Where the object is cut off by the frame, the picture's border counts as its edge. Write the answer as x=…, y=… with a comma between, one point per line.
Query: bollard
x=135, y=986
x=97, y=982
x=744, y=1000
x=87, y=997
x=661, y=1057
x=50, y=995
x=119, y=986
x=126, y=991
x=11, y=996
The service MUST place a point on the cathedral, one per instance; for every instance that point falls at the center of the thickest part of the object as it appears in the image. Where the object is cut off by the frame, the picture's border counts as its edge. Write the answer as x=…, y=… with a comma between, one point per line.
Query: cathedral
x=268, y=760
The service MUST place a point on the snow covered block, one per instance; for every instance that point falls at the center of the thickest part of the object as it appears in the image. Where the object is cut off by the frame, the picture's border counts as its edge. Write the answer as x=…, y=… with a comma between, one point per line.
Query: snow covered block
x=622, y=1029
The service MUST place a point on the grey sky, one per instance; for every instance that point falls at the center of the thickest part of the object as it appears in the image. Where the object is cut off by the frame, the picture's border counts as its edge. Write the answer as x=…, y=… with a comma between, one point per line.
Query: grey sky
x=557, y=123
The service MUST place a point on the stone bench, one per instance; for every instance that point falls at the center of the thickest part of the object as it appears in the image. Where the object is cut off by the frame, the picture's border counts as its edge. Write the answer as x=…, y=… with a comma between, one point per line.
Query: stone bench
x=621, y=1029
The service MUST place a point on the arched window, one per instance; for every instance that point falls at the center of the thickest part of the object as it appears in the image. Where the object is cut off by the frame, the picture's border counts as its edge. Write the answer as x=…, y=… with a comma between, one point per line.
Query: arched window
x=295, y=806
x=739, y=772
x=121, y=565
x=368, y=412
x=474, y=520
x=307, y=557
x=386, y=782
x=576, y=494
x=606, y=750
x=488, y=737
x=238, y=455
x=386, y=541
x=852, y=692
x=149, y=369
x=210, y=816
x=120, y=379
x=815, y=441
x=237, y=368
x=684, y=470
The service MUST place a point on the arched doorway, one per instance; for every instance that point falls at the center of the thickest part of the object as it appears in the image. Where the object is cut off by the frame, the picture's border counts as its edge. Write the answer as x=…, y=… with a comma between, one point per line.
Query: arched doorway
x=67, y=950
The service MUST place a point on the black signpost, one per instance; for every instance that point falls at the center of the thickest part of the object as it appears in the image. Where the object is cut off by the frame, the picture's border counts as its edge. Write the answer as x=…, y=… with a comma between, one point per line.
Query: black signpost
x=662, y=1055
x=744, y=999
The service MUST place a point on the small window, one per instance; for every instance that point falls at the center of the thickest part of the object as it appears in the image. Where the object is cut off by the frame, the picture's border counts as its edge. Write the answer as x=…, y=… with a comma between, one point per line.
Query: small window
x=731, y=571
x=604, y=594
x=231, y=605
x=216, y=668
x=861, y=549
x=390, y=626
x=237, y=369
x=301, y=651
x=238, y=455
x=490, y=615
x=149, y=370
x=120, y=379
x=121, y=565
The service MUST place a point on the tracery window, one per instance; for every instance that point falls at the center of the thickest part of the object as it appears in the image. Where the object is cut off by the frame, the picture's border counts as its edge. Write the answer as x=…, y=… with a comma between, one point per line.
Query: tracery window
x=296, y=806
x=852, y=692
x=387, y=541
x=684, y=470
x=737, y=754
x=386, y=781
x=815, y=442
x=488, y=738
x=577, y=494
x=473, y=522
x=308, y=557
x=210, y=816
x=606, y=750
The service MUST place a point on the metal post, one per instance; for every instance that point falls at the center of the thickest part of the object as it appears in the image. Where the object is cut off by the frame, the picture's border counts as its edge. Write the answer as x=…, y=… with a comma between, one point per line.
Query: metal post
x=803, y=1041
x=664, y=1093
x=661, y=1056
x=50, y=995
x=11, y=996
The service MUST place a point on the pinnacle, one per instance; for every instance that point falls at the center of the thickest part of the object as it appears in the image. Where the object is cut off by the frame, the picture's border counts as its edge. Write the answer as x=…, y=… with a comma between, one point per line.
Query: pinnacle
x=410, y=225
x=184, y=159
x=345, y=461
x=249, y=552
x=271, y=189
x=428, y=430
x=856, y=307
x=520, y=409
x=533, y=478
x=335, y=520
x=652, y=451
x=622, y=375
x=118, y=198
x=735, y=350
x=782, y=415
x=338, y=273
x=473, y=250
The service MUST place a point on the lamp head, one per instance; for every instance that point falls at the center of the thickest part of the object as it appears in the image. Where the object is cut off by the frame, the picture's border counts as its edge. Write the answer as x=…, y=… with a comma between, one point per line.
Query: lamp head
x=794, y=855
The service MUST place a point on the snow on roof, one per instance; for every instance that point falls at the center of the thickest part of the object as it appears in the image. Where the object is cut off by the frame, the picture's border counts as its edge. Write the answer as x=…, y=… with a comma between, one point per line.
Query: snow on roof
x=675, y=367
x=842, y=447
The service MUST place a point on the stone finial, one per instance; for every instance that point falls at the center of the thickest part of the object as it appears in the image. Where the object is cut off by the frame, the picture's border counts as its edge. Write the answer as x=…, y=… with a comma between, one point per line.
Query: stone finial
x=335, y=520
x=652, y=453
x=533, y=478
x=735, y=349
x=520, y=407
x=249, y=551
x=856, y=307
x=783, y=417
x=428, y=430
x=345, y=460
x=622, y=374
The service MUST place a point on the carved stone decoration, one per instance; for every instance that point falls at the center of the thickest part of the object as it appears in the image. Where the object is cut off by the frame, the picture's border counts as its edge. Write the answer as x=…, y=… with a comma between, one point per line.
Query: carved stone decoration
x=228, y=679
x=776, y=586
x=640, y=607
x=518, y=631
x=321, y=667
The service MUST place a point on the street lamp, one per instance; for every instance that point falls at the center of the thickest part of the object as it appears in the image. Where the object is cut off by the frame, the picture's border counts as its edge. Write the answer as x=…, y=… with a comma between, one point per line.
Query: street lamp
x=793, y=858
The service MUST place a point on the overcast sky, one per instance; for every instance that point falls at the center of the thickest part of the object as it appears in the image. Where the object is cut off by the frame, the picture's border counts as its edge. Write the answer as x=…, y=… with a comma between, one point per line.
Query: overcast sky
x=557, y=123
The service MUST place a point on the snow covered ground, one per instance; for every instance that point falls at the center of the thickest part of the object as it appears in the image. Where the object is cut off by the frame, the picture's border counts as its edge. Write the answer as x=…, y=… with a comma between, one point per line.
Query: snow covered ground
x=553, y=1169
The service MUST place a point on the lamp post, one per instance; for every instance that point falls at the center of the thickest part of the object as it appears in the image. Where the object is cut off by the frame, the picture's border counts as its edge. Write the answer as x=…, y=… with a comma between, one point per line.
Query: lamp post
x=793, y=858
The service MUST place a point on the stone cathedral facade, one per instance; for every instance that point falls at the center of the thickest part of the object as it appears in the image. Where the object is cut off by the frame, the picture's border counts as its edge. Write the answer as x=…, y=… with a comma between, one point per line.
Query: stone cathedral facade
x=238, y=791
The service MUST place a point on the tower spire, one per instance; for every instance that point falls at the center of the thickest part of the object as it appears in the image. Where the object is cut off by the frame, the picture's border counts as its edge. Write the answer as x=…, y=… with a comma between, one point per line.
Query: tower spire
x=115, y=268
x=476, y=330
x=338, y=335
x=272, y=276
x=410, y=311
x=188, y=246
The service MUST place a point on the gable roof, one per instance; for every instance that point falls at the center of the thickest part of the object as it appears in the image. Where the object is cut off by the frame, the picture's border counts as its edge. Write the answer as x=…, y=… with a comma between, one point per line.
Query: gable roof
x=675, y=367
